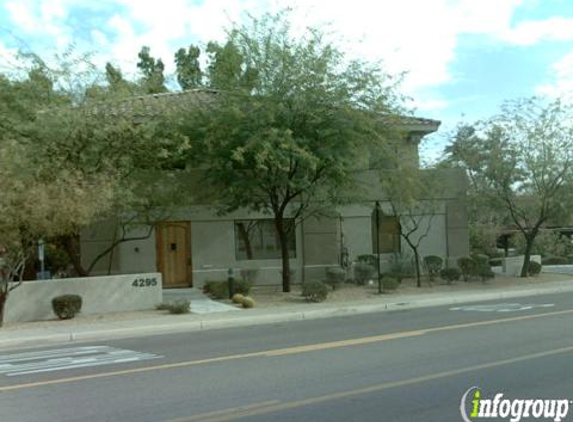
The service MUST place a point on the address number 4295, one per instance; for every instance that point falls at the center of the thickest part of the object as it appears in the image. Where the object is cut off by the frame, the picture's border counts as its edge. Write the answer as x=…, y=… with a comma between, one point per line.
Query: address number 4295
x=144, y=282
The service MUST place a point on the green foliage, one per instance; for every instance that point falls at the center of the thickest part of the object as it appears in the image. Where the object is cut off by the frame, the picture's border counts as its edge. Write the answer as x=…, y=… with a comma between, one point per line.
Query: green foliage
x=219, y=289
x=519, y=164
x=433, y=265
x=250, y=274
x=314, y=291
x=496, y=262
x=180, y=306
x=188, y=69
x=152, y=70
x=335, y=276
x=555, y=260
x=389, y=283
x=401, y=267
x=295, y=118
x=67, y=306
x=467, y=267
x=367, y=259
x=483, y=239
x=363, y=273
x=482, y=267
x=547, y=243
x=450, y=274
x=534, y=268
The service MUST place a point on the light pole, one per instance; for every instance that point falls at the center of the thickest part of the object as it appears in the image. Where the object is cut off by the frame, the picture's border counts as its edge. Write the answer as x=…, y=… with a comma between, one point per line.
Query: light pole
x=377, y=211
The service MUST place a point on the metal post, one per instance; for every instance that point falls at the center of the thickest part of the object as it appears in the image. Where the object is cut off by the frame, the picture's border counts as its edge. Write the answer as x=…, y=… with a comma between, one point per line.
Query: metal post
x=41, y=257
x=231, y=281
x=377, y=211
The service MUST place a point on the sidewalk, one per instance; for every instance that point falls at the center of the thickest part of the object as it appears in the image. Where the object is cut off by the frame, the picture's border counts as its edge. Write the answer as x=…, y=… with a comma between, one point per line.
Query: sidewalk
x=149, y=323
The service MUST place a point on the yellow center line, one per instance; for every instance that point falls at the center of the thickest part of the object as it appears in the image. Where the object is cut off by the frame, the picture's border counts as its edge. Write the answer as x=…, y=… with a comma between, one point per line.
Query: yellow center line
x=229, y=414
x=283, y=351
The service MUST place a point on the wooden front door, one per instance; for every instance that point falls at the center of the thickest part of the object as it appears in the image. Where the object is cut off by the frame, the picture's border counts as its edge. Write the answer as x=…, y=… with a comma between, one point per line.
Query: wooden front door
x=173, y=243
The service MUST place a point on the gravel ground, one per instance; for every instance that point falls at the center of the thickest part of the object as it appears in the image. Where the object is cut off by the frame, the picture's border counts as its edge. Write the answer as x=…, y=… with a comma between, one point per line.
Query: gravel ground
x=266, y=297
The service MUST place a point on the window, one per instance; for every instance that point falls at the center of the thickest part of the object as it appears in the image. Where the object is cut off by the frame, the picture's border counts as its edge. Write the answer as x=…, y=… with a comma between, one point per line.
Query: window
x=258, y=239
x=388, y=233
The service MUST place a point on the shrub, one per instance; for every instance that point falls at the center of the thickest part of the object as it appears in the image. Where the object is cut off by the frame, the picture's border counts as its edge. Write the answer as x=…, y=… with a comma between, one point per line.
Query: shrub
x=67, y=306
x=486, y=274
x=555, y=260
x=238, y=298
x=534, y=268
x=467, y=267
x=249, y=274
x=219, y=289
x=389, y=283
x=367, y=259
x=314, y=291
x=496, y=262
x=402, y=267
x=482, y=269
x=180, y=306
x=247, y=302
x=433, y=265
x=363, y=273
x=450, y=274
x=335, y=276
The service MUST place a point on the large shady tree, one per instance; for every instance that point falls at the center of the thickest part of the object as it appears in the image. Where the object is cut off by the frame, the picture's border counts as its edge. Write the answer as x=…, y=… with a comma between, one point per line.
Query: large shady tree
x=520, y=164
x=292, y=120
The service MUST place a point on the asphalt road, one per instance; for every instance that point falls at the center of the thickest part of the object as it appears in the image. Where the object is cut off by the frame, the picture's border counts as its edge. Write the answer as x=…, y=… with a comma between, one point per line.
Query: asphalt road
x=411, y=365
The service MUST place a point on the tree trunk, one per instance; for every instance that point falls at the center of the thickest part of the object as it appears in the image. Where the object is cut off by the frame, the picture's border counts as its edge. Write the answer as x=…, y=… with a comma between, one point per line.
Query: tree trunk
x=417, y=262
x=283, y=240
x=527, y=254
x=72, y=251
x=3, y=297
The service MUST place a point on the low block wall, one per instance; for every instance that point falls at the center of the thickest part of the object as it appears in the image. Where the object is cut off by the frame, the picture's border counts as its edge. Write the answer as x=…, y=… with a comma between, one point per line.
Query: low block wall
x=512, y=265
x=32, y=301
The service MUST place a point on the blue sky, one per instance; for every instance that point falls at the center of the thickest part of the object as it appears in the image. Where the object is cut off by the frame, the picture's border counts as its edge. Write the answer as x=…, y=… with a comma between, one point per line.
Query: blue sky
x=462, y=57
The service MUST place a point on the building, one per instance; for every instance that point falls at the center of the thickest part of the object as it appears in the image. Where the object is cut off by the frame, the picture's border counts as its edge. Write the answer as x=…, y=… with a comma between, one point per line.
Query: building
x=197, y=245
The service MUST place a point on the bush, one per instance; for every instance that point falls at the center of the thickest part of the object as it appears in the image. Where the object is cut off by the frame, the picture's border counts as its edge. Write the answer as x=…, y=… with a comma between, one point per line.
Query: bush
x=433, y=265
x=402, y=267
x=467, y=267
x=219, y=289
x=362, y=273
x=486, y=274
x=496, y=262
x=389, y=283
x=67, y=306
x=180, y=306
x=450, y=274
x=367, y=259
x=482, y=269
x=335, y=277
x=314, y=291
x=555, y=260
x=249, y=274
x=248, y=302
x=534, y=268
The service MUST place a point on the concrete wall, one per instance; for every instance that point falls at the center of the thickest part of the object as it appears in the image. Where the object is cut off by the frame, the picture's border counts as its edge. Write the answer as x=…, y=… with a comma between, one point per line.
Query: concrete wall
x=511, y=266
x=32, y=301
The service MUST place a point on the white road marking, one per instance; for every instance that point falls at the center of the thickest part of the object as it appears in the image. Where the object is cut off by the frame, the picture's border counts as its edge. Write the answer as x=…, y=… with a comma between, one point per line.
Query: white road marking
x=502, y=307
x=70, y=358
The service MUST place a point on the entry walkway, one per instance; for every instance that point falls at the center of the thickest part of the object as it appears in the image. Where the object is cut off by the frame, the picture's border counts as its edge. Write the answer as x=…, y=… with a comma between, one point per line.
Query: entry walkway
x=200, y=303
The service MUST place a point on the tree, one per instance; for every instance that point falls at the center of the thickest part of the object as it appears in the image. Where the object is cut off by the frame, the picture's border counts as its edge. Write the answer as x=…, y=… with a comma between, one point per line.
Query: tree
x=153, y=81
x=291, y=138
x=519, y=163
x=405, y=189
x=188, y=69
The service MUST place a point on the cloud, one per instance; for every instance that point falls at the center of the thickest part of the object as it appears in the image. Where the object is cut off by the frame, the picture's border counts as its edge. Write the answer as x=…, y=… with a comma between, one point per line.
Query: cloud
x=532, y=32
x=561, y=85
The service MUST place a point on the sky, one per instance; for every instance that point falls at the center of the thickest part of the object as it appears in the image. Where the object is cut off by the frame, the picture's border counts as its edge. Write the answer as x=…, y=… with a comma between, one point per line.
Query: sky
x=461, y=58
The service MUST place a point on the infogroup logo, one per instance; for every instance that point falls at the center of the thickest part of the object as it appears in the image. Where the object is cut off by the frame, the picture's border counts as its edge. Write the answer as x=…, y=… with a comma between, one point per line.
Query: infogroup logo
x=474, y=407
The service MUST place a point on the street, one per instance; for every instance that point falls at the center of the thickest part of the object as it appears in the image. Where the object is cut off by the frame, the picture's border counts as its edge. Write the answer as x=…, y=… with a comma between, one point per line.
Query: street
x=411, y=365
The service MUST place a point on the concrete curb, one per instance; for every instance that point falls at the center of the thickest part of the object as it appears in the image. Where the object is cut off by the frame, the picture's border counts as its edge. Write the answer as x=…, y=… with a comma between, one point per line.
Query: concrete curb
x=256, y=317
